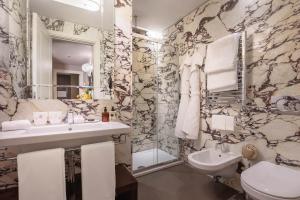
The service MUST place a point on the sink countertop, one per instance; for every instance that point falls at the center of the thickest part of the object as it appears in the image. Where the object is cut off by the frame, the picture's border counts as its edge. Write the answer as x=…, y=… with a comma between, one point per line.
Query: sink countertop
x=52, y=133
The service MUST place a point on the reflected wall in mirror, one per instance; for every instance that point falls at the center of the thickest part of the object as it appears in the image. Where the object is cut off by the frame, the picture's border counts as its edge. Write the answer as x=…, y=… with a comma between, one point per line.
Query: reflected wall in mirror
x=72, y=68
x=72, y=49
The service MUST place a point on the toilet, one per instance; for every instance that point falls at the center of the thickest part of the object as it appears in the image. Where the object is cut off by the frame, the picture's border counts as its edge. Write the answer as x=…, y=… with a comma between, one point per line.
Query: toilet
x=267, y=181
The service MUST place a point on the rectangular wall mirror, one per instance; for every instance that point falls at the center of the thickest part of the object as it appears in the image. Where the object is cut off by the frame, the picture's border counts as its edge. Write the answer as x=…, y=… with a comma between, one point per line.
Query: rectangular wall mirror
x=71, y=48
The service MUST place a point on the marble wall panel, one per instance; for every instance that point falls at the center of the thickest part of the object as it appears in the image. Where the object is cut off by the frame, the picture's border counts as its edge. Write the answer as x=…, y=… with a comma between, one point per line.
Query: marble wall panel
x=144, y=96
x=122, y=83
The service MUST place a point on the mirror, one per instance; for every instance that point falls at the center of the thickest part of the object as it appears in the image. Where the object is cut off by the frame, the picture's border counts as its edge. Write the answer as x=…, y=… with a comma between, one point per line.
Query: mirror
x=71, y=48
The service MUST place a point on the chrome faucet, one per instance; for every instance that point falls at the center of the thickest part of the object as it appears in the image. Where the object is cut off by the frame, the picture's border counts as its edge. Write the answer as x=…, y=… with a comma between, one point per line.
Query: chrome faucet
x=221, y=144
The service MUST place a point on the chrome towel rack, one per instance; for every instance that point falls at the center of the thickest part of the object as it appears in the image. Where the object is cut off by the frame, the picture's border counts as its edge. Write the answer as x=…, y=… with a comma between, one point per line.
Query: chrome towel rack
x=234, y=96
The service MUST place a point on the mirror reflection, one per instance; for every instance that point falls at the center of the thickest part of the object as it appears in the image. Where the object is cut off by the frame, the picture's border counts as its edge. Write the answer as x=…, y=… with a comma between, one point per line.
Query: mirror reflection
x=72, y=66
x=68, y=48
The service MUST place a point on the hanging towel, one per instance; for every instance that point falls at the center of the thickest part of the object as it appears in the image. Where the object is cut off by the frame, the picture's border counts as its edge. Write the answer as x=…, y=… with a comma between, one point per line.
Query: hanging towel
x=222, y=55
x=184, y=100
x=224, y=81
x=98, y=171
x=191, y=124
x=42, y=175
x=16, y=125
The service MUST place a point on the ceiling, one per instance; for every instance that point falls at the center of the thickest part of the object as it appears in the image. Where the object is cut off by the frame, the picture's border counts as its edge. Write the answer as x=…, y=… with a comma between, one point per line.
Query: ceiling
x=156, y=15
x=50, y=8
x=70, y=53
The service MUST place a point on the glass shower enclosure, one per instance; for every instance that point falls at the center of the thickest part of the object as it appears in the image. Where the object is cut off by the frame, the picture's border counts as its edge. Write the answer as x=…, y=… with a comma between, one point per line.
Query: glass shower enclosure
x=155, y=104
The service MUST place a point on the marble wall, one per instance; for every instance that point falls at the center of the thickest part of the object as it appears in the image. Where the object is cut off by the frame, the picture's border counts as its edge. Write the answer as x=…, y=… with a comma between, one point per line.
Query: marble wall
x=144, y=94
x=122, y=83
x=12, y=55
x=273, y=69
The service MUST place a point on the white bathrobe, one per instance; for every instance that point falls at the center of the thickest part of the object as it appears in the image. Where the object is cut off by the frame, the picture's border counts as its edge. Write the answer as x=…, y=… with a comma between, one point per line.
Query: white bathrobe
x=188, y=120
x=191, y=124
x=185, y=96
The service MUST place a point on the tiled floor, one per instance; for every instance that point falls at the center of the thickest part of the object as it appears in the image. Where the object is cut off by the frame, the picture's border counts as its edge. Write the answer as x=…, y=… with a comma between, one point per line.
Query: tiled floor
x=176, y=183
x=183, y=183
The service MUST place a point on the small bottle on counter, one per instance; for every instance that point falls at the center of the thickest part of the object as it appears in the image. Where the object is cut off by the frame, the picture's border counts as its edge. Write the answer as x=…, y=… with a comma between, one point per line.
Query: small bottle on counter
x=105, y=115
x=112, y=114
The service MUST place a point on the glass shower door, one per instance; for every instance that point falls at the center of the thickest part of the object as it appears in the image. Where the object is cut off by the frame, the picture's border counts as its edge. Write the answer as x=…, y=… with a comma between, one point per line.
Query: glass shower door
x=152, y=142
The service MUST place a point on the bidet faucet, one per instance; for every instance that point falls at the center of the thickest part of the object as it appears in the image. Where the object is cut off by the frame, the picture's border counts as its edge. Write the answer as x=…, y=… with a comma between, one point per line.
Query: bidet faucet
x=221, y=145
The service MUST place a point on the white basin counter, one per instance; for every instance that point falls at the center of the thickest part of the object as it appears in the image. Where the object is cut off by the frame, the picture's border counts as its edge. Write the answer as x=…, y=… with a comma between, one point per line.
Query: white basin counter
x=52, y=133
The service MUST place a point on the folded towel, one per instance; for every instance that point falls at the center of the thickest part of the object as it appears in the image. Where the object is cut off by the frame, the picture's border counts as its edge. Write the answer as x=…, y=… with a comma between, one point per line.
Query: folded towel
x=224, y=81
x=184, y=101
x=222, y=55
x=16, y=125
x=42, y=175
x=98, y=171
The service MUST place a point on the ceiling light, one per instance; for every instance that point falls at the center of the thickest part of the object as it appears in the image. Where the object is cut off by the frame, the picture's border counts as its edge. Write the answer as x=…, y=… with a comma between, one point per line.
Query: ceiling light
x=154, y=34
x=87, y=68
x=91, y=5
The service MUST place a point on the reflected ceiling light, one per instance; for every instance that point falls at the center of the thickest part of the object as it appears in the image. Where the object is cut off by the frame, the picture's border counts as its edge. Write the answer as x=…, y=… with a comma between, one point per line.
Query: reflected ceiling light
x=154, y=34
x=91, y=5
x=87, y=68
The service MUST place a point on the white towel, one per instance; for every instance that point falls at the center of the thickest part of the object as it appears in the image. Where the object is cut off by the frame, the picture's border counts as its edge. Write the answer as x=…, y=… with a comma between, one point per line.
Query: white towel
x=184, y=101
x=98, y=171
x=191, y=124
x=16, y=125
x=187, y=61
x=42, y=175
x=223, y=81
x=222, y=55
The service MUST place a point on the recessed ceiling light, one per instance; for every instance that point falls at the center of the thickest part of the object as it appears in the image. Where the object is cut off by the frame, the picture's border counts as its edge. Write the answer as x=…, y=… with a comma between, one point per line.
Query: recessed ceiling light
x=154, y=34
x=91, y=5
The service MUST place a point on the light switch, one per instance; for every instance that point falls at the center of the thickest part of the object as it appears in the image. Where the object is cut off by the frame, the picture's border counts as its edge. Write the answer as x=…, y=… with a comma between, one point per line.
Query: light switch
x=218, y=122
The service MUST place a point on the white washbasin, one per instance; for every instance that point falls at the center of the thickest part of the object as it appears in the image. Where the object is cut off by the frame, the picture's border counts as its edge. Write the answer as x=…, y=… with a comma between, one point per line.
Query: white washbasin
x=72, y=128
x=52, y=133
x=215, y=162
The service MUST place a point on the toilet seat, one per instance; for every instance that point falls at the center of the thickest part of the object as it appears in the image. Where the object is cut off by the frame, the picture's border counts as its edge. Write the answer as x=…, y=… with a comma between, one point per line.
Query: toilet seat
x=258, y=195
x=267, y=181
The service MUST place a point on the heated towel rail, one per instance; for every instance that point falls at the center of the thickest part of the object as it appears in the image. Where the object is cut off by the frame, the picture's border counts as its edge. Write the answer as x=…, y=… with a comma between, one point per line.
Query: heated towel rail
x=234, y=96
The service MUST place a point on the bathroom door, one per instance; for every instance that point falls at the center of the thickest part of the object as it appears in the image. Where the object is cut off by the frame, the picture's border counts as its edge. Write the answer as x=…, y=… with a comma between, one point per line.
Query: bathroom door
x=41, y=59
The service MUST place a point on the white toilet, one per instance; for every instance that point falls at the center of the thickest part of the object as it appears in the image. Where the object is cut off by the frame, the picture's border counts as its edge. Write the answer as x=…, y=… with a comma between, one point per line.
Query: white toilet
x=267, y=181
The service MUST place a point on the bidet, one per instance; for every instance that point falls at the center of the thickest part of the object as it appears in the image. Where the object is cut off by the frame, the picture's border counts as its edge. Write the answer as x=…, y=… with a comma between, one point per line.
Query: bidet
x=215, y=162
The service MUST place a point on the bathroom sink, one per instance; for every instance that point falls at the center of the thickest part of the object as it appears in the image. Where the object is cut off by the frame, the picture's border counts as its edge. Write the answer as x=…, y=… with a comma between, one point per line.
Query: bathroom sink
x=52, y=133
x=215, y=162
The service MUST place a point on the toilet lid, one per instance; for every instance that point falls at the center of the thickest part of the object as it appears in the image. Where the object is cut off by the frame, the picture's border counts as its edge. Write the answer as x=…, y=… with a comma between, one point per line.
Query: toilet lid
x=273, y=180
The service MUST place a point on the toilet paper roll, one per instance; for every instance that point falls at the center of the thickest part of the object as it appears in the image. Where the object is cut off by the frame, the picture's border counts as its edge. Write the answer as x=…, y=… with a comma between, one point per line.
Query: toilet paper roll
x=249, y=151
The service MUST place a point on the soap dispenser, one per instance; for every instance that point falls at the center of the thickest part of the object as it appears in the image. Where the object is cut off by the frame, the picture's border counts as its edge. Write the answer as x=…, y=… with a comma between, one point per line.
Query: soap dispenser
x=105, y=115
x=112, y=114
